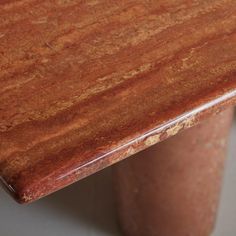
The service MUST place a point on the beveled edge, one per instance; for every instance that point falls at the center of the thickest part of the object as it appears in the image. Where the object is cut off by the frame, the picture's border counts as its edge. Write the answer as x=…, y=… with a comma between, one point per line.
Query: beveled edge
x=30, y=193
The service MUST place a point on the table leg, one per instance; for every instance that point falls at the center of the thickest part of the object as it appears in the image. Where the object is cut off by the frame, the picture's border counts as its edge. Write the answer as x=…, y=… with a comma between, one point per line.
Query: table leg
x=172, y=188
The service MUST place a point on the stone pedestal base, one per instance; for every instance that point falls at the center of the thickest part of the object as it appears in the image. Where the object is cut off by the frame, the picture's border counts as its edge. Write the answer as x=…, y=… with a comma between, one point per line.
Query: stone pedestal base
x=172, y=188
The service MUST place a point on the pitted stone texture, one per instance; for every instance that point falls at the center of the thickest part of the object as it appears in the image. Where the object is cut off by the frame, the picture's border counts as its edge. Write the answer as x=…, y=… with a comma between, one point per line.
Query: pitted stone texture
x=173, y=188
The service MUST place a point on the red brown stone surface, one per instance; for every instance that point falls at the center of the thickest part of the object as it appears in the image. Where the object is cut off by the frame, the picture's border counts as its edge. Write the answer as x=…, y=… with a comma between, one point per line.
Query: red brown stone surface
x=83, y=84
x=173, y=187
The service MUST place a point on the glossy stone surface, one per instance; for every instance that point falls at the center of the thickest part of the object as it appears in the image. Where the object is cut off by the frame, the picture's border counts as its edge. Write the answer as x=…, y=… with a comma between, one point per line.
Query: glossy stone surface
x=84, y=84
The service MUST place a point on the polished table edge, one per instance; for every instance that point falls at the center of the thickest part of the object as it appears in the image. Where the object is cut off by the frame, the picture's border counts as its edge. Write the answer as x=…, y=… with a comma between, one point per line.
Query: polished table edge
x=148, y=139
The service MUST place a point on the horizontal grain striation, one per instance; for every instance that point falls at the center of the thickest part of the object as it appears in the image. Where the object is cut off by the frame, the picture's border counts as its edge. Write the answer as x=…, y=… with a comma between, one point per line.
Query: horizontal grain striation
x=84, y=83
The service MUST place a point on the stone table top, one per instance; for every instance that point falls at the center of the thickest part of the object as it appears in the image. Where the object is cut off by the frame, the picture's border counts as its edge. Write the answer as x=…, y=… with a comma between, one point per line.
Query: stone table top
x=85, y=84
